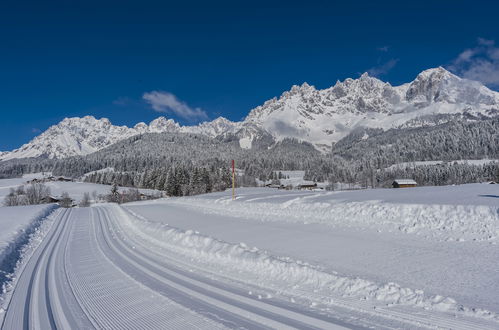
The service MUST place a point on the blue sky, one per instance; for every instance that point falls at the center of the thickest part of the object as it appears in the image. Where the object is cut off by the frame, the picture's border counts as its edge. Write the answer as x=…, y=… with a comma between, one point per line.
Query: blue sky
x=110, y=59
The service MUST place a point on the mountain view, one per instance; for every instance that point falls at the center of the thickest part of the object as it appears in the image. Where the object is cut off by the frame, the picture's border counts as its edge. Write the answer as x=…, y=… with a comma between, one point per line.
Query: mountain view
x=231, y=165
x=320, y=117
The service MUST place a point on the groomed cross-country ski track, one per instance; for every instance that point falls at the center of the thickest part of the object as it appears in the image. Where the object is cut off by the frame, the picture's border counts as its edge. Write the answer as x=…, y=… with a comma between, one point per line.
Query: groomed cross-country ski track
x=90, y=272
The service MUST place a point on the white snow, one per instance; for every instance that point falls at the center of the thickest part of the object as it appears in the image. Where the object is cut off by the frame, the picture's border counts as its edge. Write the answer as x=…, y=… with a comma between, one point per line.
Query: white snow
x=74, y=189
x=418, y=257
x=14, y=221
x=412, y=246
x=438, y=162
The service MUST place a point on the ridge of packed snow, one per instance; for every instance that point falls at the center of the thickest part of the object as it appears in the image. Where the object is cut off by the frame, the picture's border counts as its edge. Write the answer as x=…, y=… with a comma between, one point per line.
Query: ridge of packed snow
x=20, y=238
x=378, y=209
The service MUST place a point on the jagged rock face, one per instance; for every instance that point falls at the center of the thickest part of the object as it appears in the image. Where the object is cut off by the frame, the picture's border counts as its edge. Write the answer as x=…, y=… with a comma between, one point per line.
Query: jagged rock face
x=325, y=116
x=162, y=124
x=72, y=137
x=218, y=127
x=320, y=117
x=82, y=136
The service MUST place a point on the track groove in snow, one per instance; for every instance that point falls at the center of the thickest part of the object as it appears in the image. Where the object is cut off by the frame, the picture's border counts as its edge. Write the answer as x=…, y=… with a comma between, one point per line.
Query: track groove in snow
x=103, y=267
x=70, y=283
x=269, y=315
x=414, y=308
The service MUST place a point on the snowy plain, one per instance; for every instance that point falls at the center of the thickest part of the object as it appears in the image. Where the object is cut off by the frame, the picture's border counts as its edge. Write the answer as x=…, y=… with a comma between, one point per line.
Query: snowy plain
x=74, y=189
x=386, y=258
x=431, y=246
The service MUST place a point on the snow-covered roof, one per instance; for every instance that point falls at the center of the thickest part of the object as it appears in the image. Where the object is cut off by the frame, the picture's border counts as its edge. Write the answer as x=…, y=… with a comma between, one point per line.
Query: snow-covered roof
x=405, y=181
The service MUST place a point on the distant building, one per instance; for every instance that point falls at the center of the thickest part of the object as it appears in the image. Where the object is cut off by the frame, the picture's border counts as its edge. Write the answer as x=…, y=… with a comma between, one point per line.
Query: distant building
x=278, y=186
x=404, y=183
x=307, y=186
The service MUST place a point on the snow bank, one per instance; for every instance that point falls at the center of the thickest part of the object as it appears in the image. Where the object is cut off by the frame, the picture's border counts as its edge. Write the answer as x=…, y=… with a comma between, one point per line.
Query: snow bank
x=19, y=241
x=283, y=275
x=444, y=222
x=16, y=224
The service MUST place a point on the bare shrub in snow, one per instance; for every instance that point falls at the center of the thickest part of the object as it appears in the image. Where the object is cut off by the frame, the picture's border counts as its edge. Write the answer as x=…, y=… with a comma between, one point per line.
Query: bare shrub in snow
x=37, y=193
x=85, y=202
x=65, y=201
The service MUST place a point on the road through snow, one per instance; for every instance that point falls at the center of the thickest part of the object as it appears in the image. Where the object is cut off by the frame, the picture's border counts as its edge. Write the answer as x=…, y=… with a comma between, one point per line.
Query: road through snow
x=88, y=273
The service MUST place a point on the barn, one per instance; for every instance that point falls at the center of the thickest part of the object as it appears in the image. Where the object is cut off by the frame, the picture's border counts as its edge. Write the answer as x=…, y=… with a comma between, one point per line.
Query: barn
x=307, y=186
x=404, y=183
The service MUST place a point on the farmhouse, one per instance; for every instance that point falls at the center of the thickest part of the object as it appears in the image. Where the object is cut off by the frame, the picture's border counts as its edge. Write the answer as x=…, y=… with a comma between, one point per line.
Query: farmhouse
x=278, y=186
x=50, y=199
x=404, y=183
x=306, y=186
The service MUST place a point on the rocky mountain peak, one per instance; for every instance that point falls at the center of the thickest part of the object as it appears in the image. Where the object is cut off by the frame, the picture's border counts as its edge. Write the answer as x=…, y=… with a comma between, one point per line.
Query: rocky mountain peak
x=304, y=112
x=161, y=124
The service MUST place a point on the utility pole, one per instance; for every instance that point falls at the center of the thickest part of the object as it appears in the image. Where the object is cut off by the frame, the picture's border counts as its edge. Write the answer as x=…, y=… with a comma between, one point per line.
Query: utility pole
x=233, y=180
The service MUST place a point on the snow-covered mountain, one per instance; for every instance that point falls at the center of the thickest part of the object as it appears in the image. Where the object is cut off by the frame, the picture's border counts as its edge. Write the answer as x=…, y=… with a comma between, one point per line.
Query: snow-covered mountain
x=321, y=117
x=82, y=136
x=326, y=116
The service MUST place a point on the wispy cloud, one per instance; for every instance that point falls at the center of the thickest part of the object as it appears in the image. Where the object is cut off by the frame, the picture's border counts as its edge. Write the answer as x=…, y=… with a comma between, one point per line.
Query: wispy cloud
x=36, y=130
x=383, y=49
x=383, y=68
x=162, y=101
x=122, y=101
x=479, y=63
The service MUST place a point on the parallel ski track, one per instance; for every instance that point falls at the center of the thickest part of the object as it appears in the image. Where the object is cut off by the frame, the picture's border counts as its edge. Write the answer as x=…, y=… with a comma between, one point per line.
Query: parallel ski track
x=167, y=277
x=408, y=316
x=38, y=300
x=89, y=273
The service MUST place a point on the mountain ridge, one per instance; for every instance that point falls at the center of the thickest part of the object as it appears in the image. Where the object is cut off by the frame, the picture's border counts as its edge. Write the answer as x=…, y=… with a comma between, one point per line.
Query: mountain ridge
x=321, y=117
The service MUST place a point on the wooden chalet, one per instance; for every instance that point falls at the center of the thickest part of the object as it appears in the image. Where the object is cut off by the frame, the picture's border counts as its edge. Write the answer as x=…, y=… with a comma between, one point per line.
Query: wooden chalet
x=404, y=183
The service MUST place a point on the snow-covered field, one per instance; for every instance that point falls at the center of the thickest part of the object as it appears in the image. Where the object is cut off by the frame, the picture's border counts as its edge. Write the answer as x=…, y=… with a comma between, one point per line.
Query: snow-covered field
x=438, y=162
x=387, y=258
x=432, y=247
x=74, y=189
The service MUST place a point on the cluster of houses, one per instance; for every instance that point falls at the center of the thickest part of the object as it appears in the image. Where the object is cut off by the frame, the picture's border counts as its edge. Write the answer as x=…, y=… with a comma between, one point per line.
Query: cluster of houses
x=50, y=179
x=398, y=183
x=312, y=186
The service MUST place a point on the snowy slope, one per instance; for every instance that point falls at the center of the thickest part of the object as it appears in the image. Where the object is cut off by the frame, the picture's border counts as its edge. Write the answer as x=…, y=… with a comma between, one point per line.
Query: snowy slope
x=320, y=117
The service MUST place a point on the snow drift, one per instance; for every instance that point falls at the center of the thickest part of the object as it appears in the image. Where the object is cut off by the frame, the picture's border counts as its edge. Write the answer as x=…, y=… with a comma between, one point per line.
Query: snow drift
x=282, y=275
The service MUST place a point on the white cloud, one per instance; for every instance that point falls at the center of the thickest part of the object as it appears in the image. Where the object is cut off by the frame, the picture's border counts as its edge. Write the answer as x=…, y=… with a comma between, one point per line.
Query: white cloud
x=480, y=63
x=167, y=102
x=122, y=101
x=382, y=69
x=383, y=49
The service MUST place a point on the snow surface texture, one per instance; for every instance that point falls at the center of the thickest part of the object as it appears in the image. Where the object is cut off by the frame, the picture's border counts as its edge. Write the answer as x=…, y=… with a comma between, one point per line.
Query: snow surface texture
x=160, y=264
x=15, y=222
x=68, y=282
x=305, y=113
x=288, y=276
x=19, y=241
x=472, y=212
